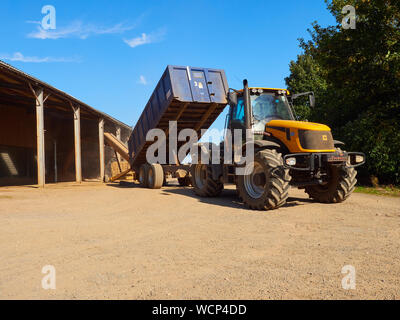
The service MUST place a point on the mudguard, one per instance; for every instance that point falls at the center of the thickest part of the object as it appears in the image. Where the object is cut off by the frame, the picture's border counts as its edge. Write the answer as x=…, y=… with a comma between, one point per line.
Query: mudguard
x=262, y=144
x=338, y=143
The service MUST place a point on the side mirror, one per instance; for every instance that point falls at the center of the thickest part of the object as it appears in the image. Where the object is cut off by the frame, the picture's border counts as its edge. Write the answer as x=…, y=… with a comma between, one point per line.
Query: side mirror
x=312, y=100
x=310, y=94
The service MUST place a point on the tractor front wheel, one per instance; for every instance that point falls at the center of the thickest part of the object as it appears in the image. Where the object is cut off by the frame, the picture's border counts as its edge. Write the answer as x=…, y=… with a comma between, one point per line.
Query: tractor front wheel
x=340, y=186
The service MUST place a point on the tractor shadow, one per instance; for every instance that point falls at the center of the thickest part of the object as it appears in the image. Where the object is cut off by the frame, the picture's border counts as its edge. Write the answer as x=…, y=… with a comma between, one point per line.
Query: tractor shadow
x=228, y=198
x=123, y=184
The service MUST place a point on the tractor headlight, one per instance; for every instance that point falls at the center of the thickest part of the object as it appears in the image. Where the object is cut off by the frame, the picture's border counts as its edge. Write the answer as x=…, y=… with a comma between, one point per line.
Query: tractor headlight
x=291, y=161
x=356, y=159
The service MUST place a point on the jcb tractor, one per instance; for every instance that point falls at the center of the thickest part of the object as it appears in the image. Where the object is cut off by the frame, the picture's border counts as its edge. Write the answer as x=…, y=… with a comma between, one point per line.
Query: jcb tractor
x=287, y=153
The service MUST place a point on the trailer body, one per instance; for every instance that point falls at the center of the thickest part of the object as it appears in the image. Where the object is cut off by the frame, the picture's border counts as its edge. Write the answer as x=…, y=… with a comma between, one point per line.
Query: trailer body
x=194, y=97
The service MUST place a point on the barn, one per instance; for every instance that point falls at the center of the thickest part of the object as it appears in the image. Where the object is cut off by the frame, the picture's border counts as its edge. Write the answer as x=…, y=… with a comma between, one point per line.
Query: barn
x=48, y=136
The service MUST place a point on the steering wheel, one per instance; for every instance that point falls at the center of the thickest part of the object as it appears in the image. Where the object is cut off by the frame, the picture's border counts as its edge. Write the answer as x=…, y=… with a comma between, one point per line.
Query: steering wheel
x=257, y=118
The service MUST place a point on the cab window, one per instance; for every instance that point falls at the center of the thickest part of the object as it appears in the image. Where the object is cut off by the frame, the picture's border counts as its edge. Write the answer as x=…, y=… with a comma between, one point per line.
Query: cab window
x=238, y=112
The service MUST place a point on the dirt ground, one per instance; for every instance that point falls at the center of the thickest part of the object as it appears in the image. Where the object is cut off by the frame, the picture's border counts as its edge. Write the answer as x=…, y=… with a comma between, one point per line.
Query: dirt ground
x=112, y=242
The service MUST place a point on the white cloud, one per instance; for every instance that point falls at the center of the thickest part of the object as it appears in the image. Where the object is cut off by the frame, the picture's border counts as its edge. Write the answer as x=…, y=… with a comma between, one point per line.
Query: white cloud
x=142, y=80
x=19, y=57
x=79, y=30
x=145, y=39
x=33, y=22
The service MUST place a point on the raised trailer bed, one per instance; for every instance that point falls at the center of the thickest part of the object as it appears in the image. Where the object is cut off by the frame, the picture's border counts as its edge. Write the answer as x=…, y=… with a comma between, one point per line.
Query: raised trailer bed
x=194, y=97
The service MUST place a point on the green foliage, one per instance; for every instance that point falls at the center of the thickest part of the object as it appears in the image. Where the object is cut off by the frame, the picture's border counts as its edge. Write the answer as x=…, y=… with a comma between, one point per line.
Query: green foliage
x=356, y=77
x=305, y=75
x=387, y=191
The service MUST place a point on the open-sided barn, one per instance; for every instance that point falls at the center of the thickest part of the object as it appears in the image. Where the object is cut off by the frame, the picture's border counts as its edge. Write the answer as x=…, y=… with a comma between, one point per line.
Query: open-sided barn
x=48, y=136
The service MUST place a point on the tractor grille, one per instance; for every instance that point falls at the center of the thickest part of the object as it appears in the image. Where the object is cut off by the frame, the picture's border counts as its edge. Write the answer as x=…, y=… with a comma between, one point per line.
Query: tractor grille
x=316, y=140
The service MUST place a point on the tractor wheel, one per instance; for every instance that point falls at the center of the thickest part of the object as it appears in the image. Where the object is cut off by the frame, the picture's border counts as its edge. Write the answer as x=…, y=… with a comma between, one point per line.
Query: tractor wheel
x=267, y=186
x=185, y=181
x=203, y=183
x=155, y=176
x=143, y=174
x=340, y=186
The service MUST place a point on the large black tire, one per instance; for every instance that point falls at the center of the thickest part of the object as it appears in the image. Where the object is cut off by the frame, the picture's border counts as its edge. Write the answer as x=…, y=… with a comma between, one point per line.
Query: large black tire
x=143, y=175
x=185, y=181
x=340, y=186
x=267, y=187
x=203, y=183
x=155, y=176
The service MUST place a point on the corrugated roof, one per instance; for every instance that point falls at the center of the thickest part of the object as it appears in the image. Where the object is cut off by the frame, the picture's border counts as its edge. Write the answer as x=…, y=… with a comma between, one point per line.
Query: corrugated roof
x=61, y=93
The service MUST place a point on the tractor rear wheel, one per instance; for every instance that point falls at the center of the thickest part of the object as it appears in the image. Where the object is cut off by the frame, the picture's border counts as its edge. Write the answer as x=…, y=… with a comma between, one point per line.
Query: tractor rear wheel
x=203, y=183
x=155, y=176
x=267, y=186
x=339, y=187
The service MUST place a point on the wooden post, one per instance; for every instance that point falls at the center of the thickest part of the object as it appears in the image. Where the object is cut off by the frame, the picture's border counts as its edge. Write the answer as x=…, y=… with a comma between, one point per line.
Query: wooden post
x=101, y=149
x=55, y=162
x=78, y=153
x=118, y=135
x=41, y=169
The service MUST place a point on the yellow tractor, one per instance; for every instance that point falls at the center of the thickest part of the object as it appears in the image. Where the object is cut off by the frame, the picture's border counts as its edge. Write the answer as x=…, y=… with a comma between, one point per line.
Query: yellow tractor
x=287, y=153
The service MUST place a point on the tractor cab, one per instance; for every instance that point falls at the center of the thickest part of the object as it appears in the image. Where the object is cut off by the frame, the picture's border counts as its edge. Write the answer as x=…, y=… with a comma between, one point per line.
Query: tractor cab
x=266, y=104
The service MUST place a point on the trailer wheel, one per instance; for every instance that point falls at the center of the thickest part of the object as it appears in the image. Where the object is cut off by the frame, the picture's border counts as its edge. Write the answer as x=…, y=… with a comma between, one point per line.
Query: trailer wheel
x=267, y=186
x=143, y=174
x=184, y=182
x=203, y=183
x=155, y=176
x=340, y=186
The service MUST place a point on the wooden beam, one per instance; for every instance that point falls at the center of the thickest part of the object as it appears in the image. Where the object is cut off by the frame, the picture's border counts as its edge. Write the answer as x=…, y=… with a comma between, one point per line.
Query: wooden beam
x=118, y=135
x=120, y=175
x=41, y=170
x=14, y=86
x=119, y=163
x=78, y=151
x=117, y=145
x=101, y=149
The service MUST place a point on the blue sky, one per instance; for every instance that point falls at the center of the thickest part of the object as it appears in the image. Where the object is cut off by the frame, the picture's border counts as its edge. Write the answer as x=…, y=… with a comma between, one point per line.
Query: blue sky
x=110, y=54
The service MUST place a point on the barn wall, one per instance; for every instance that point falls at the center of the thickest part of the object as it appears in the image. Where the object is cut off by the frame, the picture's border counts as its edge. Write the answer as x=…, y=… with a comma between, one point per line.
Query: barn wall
x=17, y=146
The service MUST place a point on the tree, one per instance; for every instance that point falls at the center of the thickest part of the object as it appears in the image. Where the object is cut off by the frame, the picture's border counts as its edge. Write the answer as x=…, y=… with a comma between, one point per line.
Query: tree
x=306, y=75
x=357, y=82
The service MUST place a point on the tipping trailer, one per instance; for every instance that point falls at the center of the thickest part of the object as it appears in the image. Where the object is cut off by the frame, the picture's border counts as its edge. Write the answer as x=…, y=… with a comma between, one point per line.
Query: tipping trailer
x=194, y=98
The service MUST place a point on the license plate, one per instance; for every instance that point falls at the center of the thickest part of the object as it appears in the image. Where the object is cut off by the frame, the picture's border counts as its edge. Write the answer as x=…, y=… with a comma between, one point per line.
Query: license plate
x=337, y=158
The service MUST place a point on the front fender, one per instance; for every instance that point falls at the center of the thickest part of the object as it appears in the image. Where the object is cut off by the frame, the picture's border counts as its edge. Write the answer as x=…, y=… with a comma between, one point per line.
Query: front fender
x=338, y=143
x=263, y=144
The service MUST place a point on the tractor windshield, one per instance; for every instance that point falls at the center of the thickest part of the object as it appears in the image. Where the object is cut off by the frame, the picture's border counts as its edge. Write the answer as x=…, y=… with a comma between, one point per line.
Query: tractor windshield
x=267, y=107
